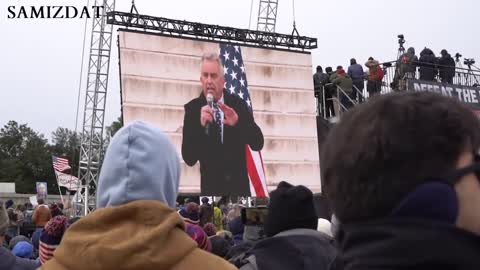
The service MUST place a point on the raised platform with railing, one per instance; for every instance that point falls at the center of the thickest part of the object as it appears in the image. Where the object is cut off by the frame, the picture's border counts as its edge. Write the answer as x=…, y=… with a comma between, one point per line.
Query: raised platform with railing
x=392, y=81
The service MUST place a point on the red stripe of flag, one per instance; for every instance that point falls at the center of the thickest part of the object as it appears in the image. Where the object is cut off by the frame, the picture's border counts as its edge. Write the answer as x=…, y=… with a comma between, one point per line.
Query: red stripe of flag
x=253, y=173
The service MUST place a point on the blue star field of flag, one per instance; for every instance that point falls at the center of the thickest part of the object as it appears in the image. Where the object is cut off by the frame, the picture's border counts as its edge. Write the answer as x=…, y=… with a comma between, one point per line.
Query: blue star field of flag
x=234, y=71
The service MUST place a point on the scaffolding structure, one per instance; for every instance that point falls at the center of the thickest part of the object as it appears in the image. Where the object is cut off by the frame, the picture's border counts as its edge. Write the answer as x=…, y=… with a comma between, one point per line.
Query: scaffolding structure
x=91, y=148
x=186, y=29
x=267, y=16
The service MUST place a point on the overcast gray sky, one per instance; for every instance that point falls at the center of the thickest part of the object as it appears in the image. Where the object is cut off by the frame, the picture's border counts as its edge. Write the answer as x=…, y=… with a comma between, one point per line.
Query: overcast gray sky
x=40, y=59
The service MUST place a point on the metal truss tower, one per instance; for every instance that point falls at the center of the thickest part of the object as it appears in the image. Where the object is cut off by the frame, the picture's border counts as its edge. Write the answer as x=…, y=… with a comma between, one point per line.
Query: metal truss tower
x=267, y=16
x=91, y=149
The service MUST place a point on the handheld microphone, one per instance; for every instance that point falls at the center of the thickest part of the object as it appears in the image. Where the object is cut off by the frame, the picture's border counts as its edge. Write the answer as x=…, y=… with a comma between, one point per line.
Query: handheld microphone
x=210, y=104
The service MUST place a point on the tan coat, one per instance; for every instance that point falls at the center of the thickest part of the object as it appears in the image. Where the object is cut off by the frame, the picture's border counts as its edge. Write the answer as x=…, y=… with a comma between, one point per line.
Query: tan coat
x=41, y=215
x=138, y=235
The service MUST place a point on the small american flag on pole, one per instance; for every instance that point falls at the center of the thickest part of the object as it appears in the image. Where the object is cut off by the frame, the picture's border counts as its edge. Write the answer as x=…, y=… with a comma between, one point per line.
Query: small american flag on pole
x=60, y=164
x=236, y=84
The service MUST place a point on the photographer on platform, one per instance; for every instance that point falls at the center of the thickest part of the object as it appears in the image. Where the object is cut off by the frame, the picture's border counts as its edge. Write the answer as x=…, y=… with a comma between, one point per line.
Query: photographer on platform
x=446, y=64
x=407, y=64
x=428, y=65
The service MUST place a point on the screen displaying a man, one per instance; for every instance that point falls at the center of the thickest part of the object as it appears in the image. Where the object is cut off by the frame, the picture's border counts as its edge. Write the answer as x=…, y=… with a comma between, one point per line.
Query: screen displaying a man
x=216, y=128
x=41, y=190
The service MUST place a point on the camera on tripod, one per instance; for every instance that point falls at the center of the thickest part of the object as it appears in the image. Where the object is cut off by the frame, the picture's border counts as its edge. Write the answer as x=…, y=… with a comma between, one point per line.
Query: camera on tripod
x=458, y=56
x=401, y=40
x=469, y=61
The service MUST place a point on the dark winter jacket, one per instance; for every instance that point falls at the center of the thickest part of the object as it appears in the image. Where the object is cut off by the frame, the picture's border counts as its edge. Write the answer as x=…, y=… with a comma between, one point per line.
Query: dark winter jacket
x=408, y=244
x=428, y=65
x=446, y=66
x=319, y=80
x=301, y=249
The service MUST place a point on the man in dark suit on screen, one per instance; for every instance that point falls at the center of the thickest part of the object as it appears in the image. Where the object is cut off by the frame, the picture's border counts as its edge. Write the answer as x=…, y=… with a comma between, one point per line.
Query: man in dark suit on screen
x=216, y=134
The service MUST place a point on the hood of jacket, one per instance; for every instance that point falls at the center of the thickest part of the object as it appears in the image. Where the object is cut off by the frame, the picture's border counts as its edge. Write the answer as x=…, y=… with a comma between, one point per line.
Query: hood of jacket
x=140, y=164
x=137, y=235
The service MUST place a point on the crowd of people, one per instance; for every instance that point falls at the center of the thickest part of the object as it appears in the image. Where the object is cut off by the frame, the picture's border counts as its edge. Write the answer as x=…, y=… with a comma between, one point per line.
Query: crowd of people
x=404, y=193
x=428, y=65
x=348, y=87
x=138, y=223
x=30, y=235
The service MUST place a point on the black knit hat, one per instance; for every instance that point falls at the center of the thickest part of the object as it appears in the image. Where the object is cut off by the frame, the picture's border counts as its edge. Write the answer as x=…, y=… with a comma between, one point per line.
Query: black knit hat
x=220, y=246
x=291, y=207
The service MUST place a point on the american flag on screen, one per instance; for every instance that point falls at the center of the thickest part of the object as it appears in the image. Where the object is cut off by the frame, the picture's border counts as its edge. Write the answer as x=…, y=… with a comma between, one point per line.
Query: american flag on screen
x=60, y=164
x=236, y=84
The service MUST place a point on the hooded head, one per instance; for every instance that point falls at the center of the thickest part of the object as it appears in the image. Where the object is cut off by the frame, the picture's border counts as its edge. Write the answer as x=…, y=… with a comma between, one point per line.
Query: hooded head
x=140, y=164
x=411, y=50
x=426, y=51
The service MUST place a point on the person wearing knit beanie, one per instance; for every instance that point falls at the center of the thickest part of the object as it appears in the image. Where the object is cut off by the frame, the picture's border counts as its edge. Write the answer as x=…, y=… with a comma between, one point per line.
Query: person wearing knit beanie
x=198, y=234
x=291, y=207
x=190, y=213
x=210, y=229
x=52, y=236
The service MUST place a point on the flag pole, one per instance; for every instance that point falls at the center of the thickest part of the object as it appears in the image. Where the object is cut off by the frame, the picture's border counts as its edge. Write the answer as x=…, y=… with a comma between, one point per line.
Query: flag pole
x=59, y=190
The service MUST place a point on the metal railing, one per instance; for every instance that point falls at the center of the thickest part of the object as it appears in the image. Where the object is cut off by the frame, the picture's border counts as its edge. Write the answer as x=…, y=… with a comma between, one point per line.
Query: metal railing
x=338, y=106
x=463, y=76
x=390, y=82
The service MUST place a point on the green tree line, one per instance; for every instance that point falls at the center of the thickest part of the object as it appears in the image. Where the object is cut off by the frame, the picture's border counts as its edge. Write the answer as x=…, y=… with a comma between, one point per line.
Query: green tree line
x=26, y=155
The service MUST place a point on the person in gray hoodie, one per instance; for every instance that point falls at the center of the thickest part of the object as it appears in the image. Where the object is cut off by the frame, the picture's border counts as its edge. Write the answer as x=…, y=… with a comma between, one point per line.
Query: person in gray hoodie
x=136, y=225
x=8, y=260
